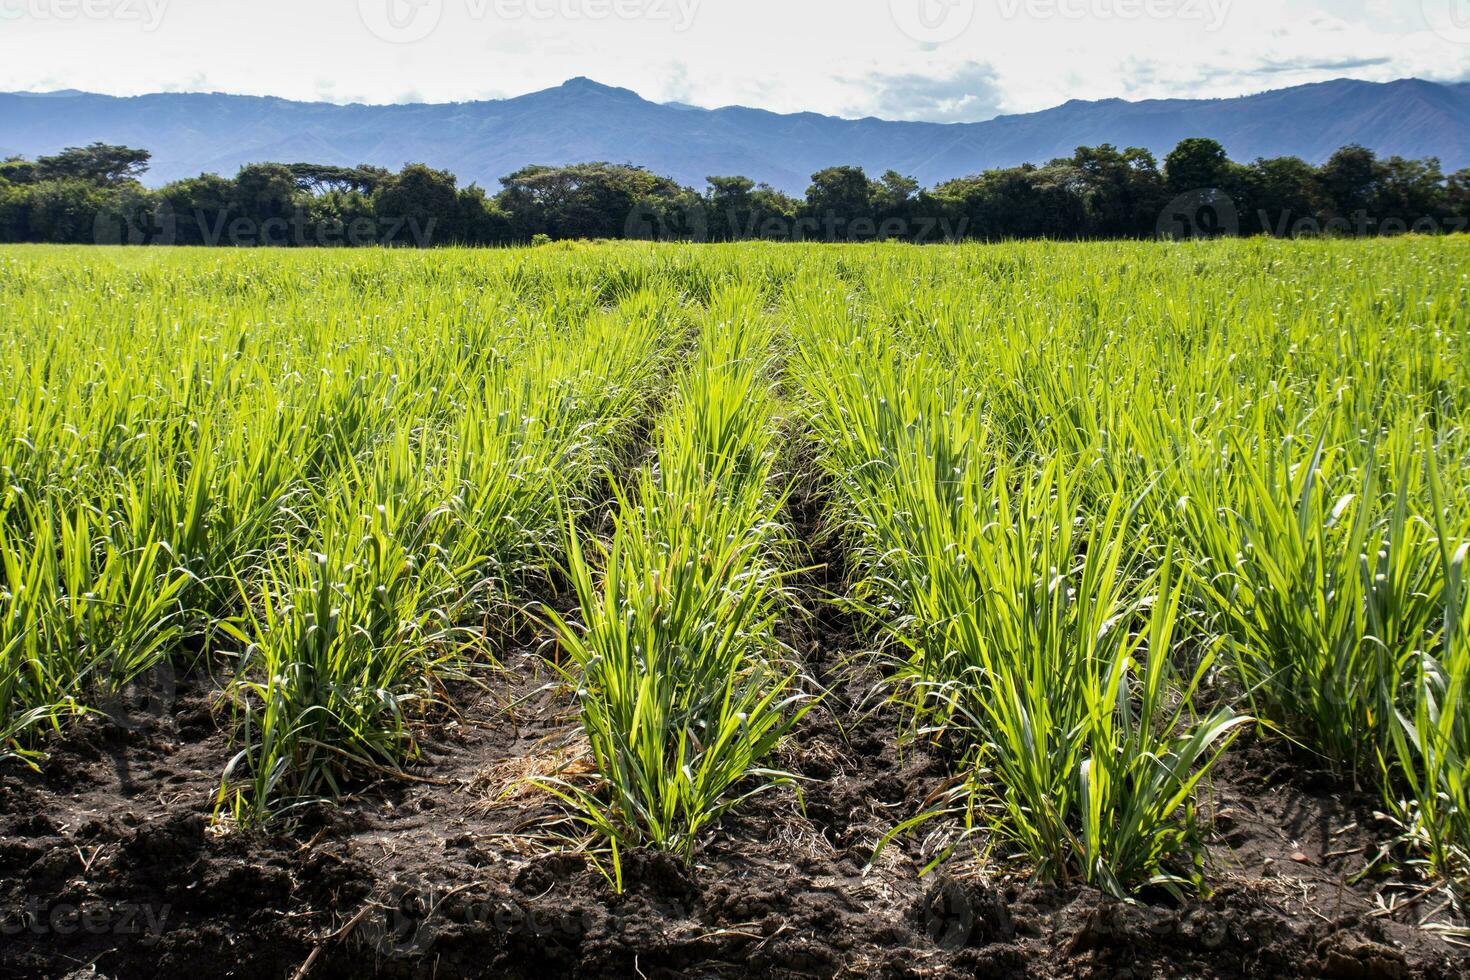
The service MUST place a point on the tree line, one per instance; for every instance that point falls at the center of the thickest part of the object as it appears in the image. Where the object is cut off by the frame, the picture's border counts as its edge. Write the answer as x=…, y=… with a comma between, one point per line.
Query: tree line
x=94, y=194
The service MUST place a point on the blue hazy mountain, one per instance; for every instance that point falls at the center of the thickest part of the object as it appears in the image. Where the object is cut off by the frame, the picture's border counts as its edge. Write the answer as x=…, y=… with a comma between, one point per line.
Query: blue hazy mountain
x=582, y=120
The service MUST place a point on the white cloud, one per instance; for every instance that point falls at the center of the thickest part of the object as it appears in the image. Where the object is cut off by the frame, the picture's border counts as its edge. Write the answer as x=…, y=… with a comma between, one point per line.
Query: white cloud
x=970, y=93
x=834, y=56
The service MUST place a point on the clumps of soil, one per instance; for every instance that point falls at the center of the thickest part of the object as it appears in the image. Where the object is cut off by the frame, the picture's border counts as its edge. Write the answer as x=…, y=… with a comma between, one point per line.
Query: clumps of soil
x=110, y=865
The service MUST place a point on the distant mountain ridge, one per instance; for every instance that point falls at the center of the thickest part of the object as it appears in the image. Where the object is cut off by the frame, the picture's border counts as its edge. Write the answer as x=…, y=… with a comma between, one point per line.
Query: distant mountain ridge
x=582, y=120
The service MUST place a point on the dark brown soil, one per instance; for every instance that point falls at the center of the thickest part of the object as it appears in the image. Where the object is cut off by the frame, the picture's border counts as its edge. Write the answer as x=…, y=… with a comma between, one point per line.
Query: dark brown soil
x=110, y=866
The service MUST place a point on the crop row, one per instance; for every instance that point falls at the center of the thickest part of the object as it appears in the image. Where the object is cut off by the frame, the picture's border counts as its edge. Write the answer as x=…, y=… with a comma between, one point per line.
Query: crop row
x=1103, y=519
x=1106, y=509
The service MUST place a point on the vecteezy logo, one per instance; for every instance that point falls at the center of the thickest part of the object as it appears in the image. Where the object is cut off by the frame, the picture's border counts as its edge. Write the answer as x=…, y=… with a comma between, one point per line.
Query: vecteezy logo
x=933, y=21
x=401, y=21
x=1450, y=19
x=405, y=921
x=949, y=918
x=135, y=222
x=144, y=700
x=1207, y=213
x=647, y=223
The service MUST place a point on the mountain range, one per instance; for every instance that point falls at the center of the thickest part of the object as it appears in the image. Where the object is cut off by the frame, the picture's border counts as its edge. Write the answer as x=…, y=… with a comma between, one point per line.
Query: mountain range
x=582, y=120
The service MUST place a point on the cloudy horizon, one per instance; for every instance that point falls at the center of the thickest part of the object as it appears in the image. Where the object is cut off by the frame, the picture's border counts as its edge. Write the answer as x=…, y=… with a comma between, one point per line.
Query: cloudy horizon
x=933, y=60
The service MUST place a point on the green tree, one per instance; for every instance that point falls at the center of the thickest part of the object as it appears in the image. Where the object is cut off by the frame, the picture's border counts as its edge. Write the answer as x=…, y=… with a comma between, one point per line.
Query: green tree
x=894, y=200
x=199, y=208
x=266, y=207
x=419, y=206
x=1457, y=198
x=599, y=200
x=731, y=208
x=1409, y=194
x=839, y=205
x=17, y=170
x=66, y=211
x=1198, y=164
x=1284, y=195
x=14, y=203
x=1122, y=192
x=99, y=163
x=317, y=178
x=482, y=221
x=1350, y=178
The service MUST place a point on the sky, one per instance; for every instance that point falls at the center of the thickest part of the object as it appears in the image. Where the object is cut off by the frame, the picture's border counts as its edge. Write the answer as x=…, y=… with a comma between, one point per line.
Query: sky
x=938, y=60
